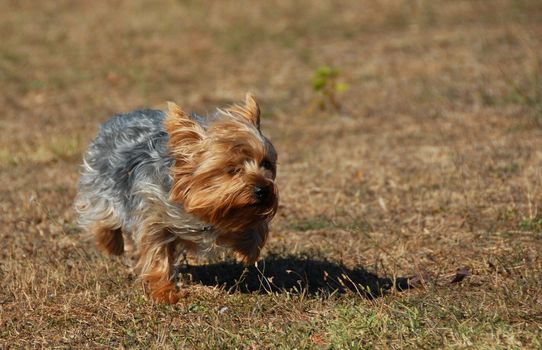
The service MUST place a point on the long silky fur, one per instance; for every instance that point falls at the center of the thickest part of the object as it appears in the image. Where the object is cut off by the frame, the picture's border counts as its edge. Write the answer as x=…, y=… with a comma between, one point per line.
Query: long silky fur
x=172, y=182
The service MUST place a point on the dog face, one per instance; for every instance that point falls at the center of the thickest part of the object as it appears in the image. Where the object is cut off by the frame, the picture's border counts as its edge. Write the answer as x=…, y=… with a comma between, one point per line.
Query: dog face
x=224, y=172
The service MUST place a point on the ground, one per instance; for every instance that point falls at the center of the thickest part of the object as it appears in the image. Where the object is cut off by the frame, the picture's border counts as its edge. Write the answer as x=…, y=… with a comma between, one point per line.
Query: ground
x=409, y=136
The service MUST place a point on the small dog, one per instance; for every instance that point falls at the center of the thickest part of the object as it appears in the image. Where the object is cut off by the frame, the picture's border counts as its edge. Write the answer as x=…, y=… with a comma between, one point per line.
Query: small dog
x=167, y=183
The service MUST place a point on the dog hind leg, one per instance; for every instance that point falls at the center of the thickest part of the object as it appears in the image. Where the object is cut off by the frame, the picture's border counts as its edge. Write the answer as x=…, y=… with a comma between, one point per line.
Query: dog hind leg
x=109, y=240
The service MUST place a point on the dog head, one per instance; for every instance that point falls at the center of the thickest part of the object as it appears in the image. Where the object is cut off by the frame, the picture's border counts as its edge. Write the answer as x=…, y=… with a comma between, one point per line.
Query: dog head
x=224, y=171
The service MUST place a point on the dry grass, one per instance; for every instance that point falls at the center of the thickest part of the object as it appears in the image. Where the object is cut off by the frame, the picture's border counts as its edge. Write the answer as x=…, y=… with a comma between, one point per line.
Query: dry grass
x=430, y=164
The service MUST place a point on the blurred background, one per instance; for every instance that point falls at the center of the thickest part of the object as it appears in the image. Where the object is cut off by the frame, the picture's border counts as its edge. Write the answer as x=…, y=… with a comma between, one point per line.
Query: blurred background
x=67, y=65
x=408, y=133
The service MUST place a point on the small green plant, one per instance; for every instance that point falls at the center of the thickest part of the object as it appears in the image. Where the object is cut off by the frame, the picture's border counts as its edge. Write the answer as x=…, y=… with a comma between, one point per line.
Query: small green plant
x=326, y=84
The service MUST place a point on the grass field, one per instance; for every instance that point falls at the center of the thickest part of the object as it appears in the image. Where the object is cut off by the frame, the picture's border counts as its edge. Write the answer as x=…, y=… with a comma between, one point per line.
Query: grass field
x=409, y=136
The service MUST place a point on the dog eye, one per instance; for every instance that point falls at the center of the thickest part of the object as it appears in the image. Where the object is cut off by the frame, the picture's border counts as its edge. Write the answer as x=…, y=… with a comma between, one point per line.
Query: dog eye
x=266, y=164
x=234, y=170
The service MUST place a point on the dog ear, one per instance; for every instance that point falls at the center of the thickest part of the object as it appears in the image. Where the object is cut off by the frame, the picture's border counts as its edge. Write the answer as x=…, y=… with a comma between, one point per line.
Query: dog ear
x=175, y=110
x=182, y=130
x=250, y=111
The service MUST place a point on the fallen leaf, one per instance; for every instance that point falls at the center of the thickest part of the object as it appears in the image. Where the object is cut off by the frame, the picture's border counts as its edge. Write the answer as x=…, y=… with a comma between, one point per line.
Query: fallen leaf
x=461, y=274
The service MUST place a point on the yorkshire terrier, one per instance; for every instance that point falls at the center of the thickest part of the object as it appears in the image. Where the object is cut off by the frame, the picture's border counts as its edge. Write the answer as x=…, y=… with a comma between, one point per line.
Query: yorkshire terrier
x=167, y=183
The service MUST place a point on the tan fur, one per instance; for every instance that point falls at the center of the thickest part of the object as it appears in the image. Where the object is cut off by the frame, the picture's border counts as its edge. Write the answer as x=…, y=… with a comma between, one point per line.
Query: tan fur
x=250, y=111
x=248, y=244
x=229, y=144
x=155, y=262
x=108, y=240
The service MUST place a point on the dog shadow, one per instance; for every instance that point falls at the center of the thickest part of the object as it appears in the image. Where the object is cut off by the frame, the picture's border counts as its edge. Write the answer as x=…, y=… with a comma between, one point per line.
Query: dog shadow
x=293, y=274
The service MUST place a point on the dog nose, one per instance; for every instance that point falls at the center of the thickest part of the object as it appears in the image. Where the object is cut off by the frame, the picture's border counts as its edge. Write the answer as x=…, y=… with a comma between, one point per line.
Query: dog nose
x=261, y=192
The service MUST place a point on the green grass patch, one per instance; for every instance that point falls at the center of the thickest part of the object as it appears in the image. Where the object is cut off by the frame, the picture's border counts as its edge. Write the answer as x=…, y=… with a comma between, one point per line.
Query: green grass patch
x=533, y=225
